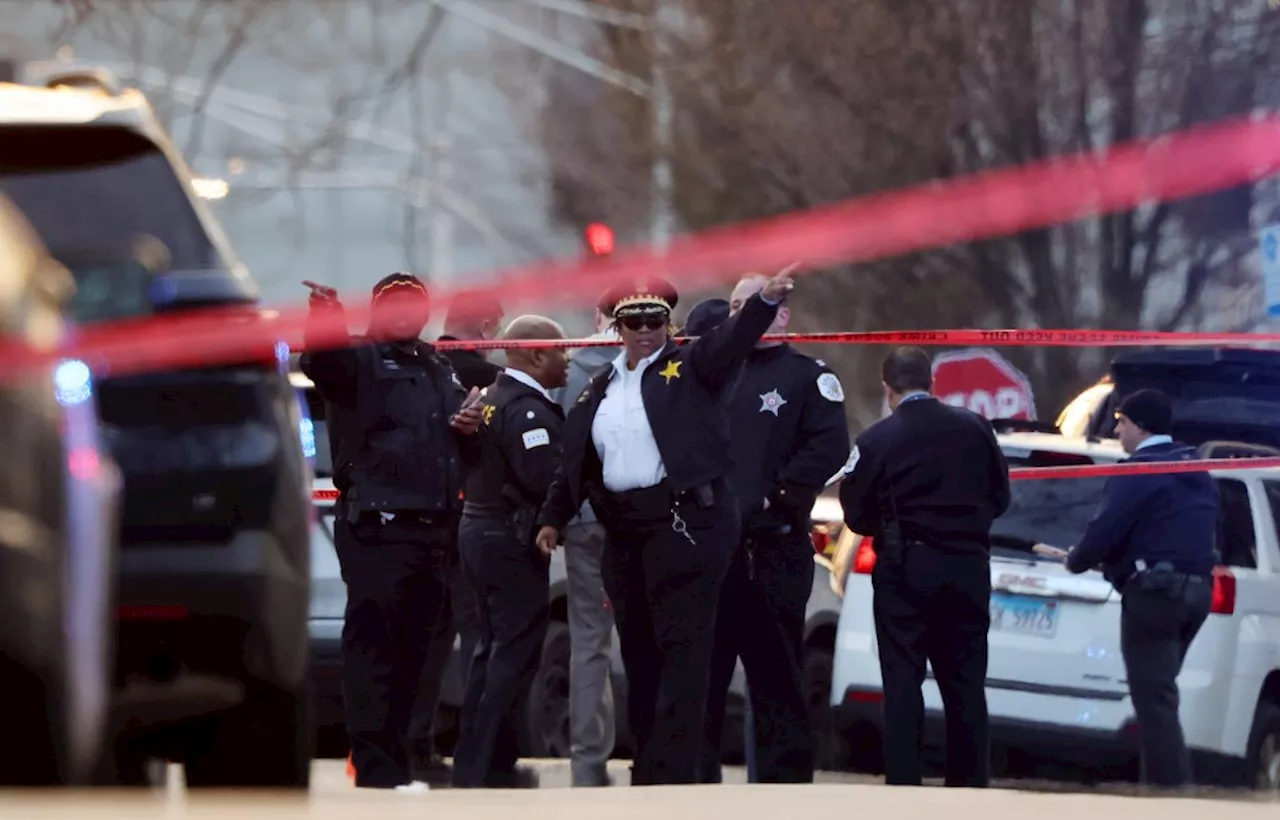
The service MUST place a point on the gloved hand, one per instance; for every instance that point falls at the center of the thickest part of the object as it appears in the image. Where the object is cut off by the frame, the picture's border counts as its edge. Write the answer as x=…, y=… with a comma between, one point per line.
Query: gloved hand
x=320, y=294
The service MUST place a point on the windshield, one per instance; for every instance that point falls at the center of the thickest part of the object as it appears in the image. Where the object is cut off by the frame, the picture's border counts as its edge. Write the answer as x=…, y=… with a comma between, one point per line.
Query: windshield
x=88, y=188
x=1051, y=511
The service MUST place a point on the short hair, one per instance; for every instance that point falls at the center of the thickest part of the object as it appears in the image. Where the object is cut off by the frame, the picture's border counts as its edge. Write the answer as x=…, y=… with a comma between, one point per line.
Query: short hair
x=907, y=368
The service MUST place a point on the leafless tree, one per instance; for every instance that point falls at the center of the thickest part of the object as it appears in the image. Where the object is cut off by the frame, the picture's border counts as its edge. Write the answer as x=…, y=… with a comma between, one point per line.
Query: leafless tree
x=784, y=106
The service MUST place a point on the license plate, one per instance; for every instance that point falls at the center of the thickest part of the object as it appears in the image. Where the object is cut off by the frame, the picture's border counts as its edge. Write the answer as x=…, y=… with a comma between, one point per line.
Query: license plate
x=1023, y=614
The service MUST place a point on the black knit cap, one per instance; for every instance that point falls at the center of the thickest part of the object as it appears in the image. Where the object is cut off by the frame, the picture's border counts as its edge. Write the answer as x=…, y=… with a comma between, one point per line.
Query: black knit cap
x=707, y=314
x=399, y=284
x=1149, y=409
x=647, y=297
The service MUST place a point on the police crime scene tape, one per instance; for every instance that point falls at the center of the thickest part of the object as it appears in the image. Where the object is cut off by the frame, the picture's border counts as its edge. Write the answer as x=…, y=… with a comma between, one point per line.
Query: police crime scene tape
x=1074, y=470
x=957, y=338
x=1060, y=189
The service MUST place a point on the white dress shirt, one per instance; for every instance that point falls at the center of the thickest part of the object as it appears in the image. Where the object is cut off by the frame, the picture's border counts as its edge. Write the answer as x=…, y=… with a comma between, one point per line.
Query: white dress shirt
x=621, y=432
x=529, y=381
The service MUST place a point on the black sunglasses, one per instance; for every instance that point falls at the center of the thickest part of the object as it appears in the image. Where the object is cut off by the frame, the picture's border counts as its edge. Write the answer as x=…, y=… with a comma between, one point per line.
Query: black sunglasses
x=638, y=323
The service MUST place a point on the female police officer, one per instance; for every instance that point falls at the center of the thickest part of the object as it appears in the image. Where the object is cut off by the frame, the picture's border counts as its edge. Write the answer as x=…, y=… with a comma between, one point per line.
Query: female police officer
x=647, y=443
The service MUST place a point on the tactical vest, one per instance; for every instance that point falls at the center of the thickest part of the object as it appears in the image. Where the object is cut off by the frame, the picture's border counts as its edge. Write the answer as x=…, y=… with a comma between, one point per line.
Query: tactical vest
x=398, y=451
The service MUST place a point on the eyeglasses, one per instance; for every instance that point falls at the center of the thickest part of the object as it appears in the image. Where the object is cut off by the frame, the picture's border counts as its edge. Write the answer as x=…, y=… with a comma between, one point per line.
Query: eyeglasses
x=638, y=323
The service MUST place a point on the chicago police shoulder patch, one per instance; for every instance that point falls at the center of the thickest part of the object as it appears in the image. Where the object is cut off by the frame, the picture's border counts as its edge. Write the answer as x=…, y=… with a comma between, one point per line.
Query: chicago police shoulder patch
x=536, y=438
x=829, y=387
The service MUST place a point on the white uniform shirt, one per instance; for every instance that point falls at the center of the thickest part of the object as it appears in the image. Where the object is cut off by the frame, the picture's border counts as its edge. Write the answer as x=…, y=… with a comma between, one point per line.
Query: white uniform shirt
x=528, y=381
x=621, y=432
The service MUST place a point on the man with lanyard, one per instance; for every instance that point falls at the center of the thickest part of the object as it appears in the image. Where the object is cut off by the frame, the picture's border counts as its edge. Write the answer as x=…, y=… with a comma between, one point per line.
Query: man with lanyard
x=1153, y=538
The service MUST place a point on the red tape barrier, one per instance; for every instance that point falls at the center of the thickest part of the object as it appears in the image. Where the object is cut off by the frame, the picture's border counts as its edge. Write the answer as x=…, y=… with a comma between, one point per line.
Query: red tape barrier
x=958, y=338
x=995, y=203
x=1080, y=470
x=1143, y=468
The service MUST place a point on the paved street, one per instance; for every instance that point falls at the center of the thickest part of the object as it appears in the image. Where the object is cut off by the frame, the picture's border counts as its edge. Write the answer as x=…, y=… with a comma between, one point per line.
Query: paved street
x=833, y=797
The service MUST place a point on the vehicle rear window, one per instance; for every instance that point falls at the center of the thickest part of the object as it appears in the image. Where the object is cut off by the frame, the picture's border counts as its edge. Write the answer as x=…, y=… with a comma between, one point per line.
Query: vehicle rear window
x=94, y=189
x=1237, y=544
x=1052, y=511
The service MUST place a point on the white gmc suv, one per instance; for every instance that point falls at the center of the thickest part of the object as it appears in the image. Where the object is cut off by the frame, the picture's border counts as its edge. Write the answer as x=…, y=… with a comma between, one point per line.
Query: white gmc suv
x=1056, y=682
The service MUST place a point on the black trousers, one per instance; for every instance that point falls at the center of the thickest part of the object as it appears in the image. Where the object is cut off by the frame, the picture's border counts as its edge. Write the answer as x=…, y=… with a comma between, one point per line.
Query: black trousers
x=664, y=586
x=397, y=593
x=509, y=578
x=460, y=621
x=934, y=606
x=1157, y=625
x=761, y=620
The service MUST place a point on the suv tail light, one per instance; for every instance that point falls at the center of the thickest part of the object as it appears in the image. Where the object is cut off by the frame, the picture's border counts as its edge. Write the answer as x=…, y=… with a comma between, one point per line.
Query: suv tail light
x=1224, y=592
x=864, y=560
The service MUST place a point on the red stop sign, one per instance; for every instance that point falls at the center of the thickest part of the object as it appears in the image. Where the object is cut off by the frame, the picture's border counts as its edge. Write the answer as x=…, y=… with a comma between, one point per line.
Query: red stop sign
x=985, y=382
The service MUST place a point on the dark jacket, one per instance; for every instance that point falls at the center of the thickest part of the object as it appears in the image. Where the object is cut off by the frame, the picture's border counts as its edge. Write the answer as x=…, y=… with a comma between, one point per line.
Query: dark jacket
x=937, y=469
x=473, y=369
x=683, y=392
x=1169, y=517
x=388, y=408
x=518, y=449
x=585, y=362
x=790, y=436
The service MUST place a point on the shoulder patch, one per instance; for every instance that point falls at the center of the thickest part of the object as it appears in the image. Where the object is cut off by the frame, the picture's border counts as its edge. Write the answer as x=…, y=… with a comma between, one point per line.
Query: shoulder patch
x=538, y=437
x=853, y=461
x=829, y=387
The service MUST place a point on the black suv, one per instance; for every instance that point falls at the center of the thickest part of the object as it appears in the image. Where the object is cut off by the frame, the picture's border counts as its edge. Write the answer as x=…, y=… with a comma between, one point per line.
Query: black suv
x=211, y=667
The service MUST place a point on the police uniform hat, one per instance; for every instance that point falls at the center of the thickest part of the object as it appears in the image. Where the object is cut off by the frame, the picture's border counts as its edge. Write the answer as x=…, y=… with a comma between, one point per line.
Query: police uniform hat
x=707, y=314
x=400, y=284
x=1149, y=409
x=647, y=297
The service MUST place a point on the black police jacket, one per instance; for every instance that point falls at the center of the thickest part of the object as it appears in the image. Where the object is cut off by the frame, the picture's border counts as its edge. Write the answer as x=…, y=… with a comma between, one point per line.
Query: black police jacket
x=1162, y=517
x=936, y=469
x=388, y=408
x=473, y=369
x=519, y=448
x=787, y=422
x=683, y=391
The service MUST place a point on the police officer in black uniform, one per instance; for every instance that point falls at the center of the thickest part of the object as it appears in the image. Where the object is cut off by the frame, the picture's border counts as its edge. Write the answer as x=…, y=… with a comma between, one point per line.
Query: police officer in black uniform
x=648, y=444
x=476, y=319
x=518, y=454
x=787, y=422
x=398, y=469
x=1153, y=536
x=926, y=484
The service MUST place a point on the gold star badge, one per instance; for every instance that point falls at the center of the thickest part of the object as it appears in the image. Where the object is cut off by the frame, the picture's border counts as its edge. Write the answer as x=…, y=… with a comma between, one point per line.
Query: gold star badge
x=671, y=371
x=488, y=413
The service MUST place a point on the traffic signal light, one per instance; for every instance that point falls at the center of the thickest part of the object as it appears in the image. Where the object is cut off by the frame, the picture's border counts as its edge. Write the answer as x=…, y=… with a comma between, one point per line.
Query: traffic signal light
x=599, y=239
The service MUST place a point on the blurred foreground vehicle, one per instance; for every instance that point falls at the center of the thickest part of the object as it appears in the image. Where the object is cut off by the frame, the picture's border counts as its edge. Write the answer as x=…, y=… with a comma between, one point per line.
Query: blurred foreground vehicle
x=212, y=659
x=57, y=502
